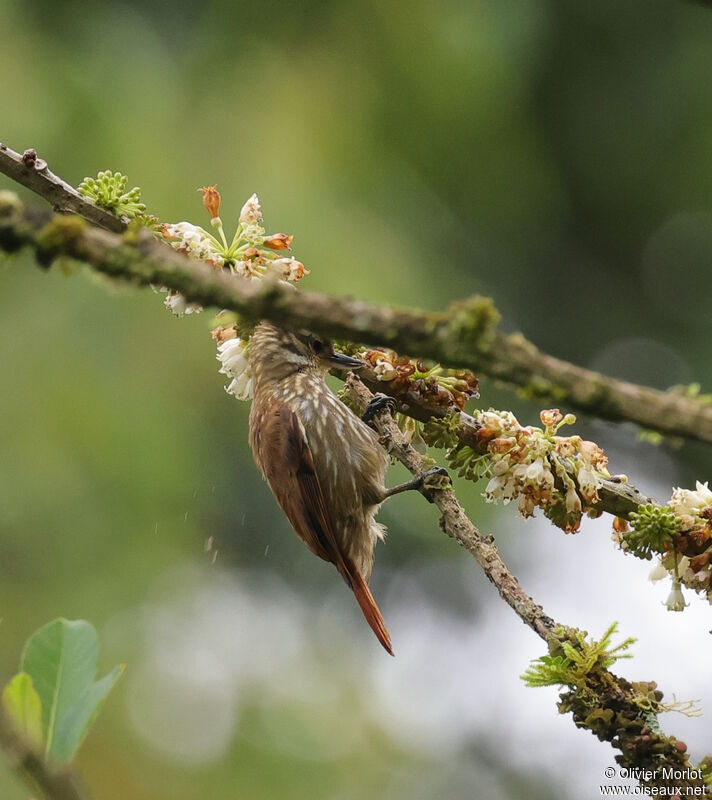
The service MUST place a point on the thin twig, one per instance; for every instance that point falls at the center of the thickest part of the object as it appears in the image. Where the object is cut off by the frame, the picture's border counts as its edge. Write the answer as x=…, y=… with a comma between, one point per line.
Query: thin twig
x=617, y=716
x=462, y=336
x=33, y=173
x=616, y=497
x=454, y=521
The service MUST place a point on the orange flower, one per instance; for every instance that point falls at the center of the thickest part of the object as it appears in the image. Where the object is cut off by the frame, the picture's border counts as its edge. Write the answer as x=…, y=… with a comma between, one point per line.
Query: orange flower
x=278, y=241
x=211, y=200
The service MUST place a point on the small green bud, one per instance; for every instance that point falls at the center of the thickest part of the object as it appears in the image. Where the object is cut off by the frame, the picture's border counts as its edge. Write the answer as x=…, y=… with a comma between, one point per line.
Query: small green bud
x=108, y=190
x=653, y=530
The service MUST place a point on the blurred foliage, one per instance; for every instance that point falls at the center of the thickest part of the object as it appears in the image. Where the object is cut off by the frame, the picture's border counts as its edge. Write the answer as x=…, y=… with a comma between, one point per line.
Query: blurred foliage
x=554, y=155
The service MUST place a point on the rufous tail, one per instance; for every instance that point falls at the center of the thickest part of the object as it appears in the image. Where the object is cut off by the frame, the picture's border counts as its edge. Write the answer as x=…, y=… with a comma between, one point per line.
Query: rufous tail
x=369, y=608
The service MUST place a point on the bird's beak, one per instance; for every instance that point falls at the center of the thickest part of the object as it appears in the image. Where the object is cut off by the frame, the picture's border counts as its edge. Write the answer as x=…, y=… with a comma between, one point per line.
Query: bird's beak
x=341, y=361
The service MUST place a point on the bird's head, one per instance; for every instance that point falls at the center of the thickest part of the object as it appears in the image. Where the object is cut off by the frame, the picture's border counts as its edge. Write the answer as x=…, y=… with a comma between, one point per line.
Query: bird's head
x=277, y=353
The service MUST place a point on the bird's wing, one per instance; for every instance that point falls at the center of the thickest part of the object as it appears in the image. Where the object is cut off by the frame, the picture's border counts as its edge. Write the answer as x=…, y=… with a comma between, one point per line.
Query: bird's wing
x=287, y=462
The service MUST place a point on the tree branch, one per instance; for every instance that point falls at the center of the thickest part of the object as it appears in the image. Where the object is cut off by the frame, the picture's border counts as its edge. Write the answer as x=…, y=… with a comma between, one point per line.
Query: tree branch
x=52, y=782
x=618, y=715
x=617, y=498
x=464, y=335
x=33, y=173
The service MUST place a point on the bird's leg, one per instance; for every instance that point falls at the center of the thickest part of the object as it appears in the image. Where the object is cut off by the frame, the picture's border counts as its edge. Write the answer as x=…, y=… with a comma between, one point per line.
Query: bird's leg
x=378, y=402
x=421, y=483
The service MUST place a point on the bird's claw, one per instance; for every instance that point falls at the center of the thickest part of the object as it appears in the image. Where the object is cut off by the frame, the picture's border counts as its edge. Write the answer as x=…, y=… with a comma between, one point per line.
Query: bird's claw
x=436, y=478
x=378, y=403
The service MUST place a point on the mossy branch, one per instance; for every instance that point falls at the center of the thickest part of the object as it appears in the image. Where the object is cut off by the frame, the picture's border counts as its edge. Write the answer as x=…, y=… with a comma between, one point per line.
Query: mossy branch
x=464, y=335
x=138, y=258
x=612, y=708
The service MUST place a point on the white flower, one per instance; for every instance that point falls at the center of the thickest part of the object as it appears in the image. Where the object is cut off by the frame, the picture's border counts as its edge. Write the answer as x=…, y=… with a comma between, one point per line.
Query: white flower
x=573, y=501
x=251, y=211
x=385, y=371
x=193, y=240
x=589, y=482
x=539, y=475
x=232, y=355
x=250, y=267
x=684, y=570
x=704, y=574
x=288, y=268
x=692, y=503
x=658, y=572
x=526, y=505
x=593, y=454
x=535, y=471
x=241, y=387
x=411, y=433
x=675, y=601
x=178, y=305
x=500, y=487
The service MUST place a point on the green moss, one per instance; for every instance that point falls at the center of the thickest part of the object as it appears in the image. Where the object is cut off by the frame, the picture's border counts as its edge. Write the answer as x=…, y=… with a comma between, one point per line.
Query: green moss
x=472, y=322
x=56, y=236
x=542, y=389
x=10, y=203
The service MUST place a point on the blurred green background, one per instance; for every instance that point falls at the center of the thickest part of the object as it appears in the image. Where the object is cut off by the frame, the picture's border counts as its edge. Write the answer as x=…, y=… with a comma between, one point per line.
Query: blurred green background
x=555, y=155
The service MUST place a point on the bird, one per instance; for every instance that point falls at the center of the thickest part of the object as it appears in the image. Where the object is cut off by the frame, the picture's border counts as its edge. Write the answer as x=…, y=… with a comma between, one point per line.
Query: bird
x=324, y=465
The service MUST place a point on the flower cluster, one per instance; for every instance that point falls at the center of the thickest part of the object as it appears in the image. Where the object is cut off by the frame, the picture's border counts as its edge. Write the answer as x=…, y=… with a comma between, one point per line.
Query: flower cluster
x=680, y=534
x=538, y=468
x=433, y=385
x=233, y=357
x=251, y=253
x=413, y=381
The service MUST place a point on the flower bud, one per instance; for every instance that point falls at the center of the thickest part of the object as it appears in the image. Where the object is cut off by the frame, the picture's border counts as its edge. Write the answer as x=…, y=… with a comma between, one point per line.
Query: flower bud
x=551, y=417
x=502, y=444
x=657, y=573
x=278, y=241
x=675, y=601
x=573, y=501
x=251, y=212
x=620, y=524
x=211, y=200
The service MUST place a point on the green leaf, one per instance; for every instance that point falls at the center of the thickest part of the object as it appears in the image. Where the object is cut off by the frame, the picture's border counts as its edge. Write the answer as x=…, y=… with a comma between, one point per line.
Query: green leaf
x=62, y=659
x=74, y=725
x=24, y=708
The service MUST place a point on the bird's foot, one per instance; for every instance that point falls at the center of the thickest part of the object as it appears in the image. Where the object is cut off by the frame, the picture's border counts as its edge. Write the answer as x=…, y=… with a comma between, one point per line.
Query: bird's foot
x=378, y=403
x=436, y=478
x=431, y=479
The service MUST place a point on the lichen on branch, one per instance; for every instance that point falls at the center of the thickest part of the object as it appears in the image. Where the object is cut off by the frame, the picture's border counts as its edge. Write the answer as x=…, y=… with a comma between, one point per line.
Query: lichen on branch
x=466, y=335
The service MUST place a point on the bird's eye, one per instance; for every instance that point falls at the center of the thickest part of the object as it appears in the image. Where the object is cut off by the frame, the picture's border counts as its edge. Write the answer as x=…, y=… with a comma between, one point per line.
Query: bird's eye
x=317, y=345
